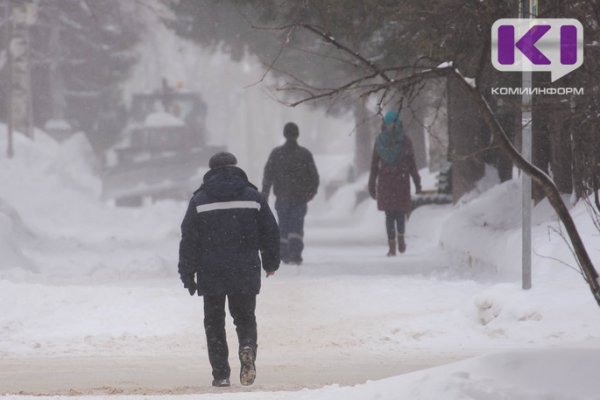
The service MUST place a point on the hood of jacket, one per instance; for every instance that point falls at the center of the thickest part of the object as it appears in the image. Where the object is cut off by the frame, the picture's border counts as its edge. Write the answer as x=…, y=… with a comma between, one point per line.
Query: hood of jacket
x=225, y=183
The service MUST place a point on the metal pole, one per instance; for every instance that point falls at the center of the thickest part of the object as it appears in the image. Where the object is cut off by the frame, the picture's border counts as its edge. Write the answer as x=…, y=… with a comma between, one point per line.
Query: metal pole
x=9, y=114
x=528, y=9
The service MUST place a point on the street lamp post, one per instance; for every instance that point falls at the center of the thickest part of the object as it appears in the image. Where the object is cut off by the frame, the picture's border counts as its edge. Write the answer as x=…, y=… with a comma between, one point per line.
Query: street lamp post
x=527, y=9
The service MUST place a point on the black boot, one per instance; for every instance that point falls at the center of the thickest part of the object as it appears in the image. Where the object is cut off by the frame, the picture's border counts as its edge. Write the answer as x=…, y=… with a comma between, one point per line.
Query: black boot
x=392, y=248
x=295, y=247
x=248, y=369
x=401, y=244
x=221, y=382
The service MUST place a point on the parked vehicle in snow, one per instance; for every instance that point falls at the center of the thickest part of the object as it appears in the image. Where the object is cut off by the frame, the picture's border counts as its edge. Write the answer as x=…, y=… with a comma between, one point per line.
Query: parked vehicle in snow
x=162, y=152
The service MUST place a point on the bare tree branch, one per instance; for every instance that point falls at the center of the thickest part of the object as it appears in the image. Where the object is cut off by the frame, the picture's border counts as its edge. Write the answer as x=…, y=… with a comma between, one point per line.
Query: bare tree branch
x=501, y=138
x=330, y=39
x=559, y=261
x=272, y=64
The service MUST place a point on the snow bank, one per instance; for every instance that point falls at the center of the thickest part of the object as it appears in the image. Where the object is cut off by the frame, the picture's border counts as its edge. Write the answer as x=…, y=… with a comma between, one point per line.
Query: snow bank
x=548, y=374
x=52, y=192
x=57, y=124
x=77, y=166
x=481, y=234
x=44, y=172
x=11, y=230
x=480, y=238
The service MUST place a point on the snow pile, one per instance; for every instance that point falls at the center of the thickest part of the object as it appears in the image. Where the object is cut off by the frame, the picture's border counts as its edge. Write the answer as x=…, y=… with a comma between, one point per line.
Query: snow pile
x=57, y=125
x=16, y=187
x=77, y=166
x=45, y=177
x=483, y=234
x=163, y=119
x=532, y=375
x=12, y=230
x=52, y=191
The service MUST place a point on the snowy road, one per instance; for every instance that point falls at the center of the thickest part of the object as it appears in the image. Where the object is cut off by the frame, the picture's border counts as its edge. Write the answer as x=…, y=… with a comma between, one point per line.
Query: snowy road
x=187, y=375
x=342, y=318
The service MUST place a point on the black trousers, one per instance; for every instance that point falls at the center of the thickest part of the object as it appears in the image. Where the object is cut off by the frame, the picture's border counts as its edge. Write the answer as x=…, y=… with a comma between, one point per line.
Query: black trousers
x=241, y=308
x=394, y=220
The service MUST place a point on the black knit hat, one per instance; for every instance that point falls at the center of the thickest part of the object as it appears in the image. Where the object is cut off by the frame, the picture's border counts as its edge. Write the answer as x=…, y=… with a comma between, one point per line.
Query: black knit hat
x=291, y=131
x=222, y=159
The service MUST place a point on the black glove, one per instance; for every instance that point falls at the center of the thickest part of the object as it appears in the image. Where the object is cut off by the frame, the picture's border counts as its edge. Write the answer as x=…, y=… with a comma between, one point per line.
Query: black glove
x=189, y=283
x=418, y=188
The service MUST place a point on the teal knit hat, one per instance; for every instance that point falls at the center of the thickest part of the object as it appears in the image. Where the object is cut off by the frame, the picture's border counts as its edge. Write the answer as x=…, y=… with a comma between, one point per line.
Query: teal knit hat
x=390, y=141
x=391, y=117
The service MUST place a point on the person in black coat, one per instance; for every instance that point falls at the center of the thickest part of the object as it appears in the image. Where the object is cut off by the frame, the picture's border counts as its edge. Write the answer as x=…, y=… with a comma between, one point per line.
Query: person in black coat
x=292, y=172
x=227, y=224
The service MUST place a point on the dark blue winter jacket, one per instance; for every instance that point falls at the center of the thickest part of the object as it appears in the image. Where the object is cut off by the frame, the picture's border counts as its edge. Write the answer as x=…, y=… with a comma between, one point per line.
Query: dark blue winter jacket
x=292, y=172
x=227, y=224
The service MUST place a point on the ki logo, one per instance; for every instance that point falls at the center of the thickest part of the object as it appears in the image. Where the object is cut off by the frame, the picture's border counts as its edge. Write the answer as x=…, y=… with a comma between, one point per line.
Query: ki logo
x=551, y=45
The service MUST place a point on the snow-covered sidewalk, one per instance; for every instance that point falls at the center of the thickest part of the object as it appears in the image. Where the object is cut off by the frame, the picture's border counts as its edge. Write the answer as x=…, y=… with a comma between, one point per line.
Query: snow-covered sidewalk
x=91, y=302
x=347, y=316
x=325, y=322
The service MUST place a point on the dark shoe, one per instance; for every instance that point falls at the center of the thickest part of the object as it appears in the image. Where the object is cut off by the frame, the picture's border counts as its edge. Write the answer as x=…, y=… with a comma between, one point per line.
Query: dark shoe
x=401, y=244
x=392, y=248
x=295, y=261
x=248, y=370
x=283, y=252
x=221, y=382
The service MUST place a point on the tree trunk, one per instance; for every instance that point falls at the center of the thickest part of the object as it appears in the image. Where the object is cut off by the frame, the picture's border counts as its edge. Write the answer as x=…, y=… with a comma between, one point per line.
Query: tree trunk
x=57, y=87
x=20, y=70
x=413, y=117
x=9, y=119
x=466, y=135
x=561, y=150
x=511, y=122
x=540, y=150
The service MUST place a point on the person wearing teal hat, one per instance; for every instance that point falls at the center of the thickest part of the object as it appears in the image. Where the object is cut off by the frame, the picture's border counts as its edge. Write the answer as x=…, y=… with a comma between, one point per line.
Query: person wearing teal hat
x=392, y=165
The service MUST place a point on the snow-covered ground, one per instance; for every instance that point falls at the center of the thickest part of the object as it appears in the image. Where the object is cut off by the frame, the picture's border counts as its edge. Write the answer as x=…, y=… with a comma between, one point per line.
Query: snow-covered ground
x=91, y=302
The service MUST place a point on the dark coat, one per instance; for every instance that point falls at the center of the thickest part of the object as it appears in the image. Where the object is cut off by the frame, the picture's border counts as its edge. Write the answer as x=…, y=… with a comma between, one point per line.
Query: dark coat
x=226, y=225
x=292, y=172
x=390, y=183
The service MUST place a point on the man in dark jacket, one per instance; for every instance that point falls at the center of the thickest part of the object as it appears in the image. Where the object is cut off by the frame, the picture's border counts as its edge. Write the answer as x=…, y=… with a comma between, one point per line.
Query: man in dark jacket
x=292, y=172
x=227, y=224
